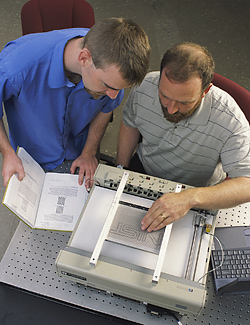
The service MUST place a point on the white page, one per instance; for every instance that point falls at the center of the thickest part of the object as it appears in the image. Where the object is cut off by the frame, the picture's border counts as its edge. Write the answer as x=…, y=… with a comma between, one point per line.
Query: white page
x=22, y=197
x=61, y=202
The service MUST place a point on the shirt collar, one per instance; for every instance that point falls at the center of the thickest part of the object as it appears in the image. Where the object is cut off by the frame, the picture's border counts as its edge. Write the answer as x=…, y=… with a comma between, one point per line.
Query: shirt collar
x=202, y=112
x=57, y=77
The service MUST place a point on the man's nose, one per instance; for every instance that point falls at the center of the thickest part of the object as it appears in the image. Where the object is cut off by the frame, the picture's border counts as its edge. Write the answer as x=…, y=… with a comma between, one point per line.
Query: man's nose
x=172, y=107
x=112, y=93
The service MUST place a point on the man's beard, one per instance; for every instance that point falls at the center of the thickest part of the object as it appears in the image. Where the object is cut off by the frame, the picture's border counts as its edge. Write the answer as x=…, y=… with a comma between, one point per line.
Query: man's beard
x=178, y=116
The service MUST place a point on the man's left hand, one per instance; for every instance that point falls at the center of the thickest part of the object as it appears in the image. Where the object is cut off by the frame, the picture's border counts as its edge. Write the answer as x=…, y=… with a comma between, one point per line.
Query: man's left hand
x=167, y=209
x=87, y=165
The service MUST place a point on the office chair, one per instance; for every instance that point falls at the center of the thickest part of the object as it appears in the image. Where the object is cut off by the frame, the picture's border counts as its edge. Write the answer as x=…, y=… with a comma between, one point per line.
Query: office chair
x=46, y=15
x=240, y=94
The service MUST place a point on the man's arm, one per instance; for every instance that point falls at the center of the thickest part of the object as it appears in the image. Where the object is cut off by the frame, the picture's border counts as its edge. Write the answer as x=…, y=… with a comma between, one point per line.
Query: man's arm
x=87, y=161
x=173, y=206
x=11, y=163
x=127, y=142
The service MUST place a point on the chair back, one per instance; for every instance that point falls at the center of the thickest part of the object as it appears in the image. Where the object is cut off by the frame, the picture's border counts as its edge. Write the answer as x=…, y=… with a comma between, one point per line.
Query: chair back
x=240, y=94
x=46, y=15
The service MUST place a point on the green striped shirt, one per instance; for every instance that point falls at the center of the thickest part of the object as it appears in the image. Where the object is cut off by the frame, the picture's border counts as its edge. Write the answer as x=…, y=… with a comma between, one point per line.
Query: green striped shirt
x=200, y=150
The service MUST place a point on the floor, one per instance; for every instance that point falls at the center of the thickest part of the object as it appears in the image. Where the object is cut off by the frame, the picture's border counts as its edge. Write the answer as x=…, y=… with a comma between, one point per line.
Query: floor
x=221, y=25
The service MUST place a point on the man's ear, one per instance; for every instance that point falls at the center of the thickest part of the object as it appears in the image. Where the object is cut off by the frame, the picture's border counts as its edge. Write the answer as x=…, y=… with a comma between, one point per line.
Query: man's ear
x=85, y=58
x=206, y=90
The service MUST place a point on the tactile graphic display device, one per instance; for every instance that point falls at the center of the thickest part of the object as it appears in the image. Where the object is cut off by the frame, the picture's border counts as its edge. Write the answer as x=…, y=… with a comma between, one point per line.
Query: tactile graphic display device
x=109, y=251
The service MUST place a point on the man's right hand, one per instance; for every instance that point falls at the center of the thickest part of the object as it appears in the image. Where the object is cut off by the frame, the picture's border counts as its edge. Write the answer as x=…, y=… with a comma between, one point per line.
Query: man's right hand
x=11, y=165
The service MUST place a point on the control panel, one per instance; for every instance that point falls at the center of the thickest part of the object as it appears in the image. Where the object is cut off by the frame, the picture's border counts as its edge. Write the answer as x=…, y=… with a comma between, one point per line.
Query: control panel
x=138, y=184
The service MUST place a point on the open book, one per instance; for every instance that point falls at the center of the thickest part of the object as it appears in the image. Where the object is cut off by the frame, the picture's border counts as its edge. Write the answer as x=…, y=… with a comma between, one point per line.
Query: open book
x=42, y=200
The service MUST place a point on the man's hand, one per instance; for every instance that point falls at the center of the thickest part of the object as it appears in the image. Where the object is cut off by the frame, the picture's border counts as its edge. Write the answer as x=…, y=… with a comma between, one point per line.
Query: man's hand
x=87, y=161
x=167, y=209
x=87, y=165
x=173, y=206
x=11, y=165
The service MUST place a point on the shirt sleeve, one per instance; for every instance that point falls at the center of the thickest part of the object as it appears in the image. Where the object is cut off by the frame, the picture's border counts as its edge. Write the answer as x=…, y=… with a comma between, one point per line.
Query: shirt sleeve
x=235, y=156
x=7, y=88
x=129, y=110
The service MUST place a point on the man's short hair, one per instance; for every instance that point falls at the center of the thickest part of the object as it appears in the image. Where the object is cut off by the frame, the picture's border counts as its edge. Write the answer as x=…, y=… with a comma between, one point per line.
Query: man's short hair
x=186, y=60
x=120, y=42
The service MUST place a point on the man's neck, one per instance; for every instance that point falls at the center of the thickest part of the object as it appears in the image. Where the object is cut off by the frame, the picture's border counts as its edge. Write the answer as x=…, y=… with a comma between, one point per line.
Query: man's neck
x=73, y=77
x=70, y=56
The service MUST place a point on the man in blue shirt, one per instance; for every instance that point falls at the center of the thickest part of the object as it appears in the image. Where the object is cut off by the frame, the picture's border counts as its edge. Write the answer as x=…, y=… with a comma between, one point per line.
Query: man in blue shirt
x=59, y=90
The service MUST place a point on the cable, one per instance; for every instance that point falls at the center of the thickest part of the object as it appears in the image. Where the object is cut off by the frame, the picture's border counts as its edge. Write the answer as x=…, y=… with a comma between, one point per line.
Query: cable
x=222, y=256
x=175, y=317
x=94, y=181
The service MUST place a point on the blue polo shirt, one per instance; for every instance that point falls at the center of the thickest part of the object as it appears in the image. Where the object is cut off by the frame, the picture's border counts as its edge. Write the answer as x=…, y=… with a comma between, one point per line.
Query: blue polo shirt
x=47, y=114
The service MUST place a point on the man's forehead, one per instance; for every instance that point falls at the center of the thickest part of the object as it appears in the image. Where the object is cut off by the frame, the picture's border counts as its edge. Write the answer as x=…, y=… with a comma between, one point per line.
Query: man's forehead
x=112, y=78
x=187, y=91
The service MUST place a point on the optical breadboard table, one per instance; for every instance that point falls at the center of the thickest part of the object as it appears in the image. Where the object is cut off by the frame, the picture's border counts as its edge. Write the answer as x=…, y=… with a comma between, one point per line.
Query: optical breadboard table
x=29, y=264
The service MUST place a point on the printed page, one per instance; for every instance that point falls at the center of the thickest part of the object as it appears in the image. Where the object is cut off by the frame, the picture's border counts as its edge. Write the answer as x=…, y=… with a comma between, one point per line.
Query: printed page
x=61, y=203
x=22, y=197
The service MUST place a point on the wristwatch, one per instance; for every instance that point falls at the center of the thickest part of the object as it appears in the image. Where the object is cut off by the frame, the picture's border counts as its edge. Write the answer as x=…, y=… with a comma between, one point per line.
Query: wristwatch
x=120, y=166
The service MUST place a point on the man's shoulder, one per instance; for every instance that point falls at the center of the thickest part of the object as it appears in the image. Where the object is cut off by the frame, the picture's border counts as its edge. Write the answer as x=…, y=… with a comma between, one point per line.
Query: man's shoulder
x=221, y=96
x=152, y=78
x=221, y=99
x=226, y=106
x=40, y=40
x=27, y=51
x=150, y=82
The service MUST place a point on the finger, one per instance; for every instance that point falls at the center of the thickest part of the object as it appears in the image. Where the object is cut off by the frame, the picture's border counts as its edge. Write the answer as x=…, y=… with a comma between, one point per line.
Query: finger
x=166, y=222
x=88, y=178
x=72, y=168
x=21, y=174
x=91, y=181
x=158, y=223
x=147, y=220
x=81, y=176
x=153, y=211
x=153, y=221
x=87, y=185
